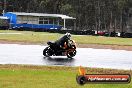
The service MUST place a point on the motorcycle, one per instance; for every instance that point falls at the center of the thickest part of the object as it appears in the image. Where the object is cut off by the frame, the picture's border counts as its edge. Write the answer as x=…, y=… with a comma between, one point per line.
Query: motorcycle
x=52, y=50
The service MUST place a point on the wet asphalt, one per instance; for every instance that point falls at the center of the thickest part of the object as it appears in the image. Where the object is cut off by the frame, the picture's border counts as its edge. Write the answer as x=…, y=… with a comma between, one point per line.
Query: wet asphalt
x=88, y=57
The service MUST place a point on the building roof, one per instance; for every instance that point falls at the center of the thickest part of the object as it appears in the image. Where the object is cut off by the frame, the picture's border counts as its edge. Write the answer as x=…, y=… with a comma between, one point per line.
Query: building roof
x=42, y=14
x=2, y=17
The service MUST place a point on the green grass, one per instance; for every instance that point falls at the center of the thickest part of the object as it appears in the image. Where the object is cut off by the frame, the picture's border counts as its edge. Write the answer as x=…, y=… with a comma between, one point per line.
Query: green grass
x=21, y=76
x=27, y=36
x=43, y=37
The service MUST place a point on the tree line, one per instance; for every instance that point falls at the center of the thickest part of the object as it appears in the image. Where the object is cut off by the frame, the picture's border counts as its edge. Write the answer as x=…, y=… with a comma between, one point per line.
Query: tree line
x=109, y=15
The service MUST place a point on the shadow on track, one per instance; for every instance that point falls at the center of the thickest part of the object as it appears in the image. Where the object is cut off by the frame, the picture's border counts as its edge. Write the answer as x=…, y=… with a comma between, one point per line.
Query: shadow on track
x=58, y=61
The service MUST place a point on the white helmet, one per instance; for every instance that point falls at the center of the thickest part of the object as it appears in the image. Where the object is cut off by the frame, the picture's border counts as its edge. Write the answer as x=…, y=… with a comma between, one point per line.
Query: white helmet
x=68, y=35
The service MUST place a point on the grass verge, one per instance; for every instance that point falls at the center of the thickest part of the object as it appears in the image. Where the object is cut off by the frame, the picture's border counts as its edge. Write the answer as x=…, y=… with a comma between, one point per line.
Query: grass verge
x=25, y=76
x=43, y=37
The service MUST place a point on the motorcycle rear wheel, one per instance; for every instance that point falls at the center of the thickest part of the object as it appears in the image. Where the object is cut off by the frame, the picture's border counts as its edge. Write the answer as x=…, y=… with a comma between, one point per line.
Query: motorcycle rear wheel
x=46, y=52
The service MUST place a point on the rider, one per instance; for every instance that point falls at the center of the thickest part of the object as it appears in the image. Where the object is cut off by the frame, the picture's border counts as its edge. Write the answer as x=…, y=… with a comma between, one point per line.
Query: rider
x=63, y=42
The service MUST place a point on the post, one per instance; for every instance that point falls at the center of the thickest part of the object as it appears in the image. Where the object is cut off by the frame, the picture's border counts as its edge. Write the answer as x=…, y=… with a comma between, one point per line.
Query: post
x=10, y=27
x=53, y=23
x=58, y=22
x=75, y=29
x=64, y=23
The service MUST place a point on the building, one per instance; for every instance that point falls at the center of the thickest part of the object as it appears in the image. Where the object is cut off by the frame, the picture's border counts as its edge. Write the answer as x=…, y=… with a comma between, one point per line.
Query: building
x=36, y=20
x=4, y=22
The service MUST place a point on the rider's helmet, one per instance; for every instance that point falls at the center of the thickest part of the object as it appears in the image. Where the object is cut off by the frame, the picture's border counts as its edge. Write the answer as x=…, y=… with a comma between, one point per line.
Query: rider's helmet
x=68, y=35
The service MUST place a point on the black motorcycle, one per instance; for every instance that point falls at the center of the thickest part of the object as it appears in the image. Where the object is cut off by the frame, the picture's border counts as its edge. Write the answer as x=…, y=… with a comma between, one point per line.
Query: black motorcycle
x=53, y=50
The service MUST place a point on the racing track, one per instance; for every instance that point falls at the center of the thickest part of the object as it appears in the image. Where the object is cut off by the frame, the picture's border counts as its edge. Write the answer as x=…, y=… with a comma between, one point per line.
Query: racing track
x=88, y=57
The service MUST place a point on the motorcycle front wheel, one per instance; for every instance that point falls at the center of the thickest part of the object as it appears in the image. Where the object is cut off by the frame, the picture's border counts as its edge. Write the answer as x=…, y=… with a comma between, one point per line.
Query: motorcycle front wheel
x=71, y=54
x=47, y=52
